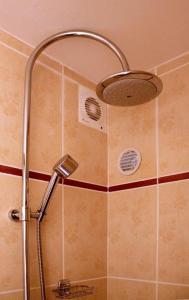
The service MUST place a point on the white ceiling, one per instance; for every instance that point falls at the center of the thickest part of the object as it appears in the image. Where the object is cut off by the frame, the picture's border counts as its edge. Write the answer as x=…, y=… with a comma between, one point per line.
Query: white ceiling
x=148, y=31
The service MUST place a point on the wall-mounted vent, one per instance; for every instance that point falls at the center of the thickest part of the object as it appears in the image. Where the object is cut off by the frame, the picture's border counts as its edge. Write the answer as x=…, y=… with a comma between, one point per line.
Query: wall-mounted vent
x=92, y=111
x=129, y=161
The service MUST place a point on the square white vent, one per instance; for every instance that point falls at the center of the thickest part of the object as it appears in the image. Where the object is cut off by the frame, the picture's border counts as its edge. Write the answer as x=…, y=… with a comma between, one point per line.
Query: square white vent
x=92, y=111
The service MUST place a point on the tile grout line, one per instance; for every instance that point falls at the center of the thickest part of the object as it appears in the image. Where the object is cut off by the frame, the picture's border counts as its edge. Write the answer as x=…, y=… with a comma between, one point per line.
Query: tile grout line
x=35, y=175
x=28, y=44
x=157, y=193
x=62, y=144
x=51, y=285
x=38, y=62
x=149, y=281
x=61, y=63
x=172, y=59
x=103, y=277
x=174, y=69
x=108, y=199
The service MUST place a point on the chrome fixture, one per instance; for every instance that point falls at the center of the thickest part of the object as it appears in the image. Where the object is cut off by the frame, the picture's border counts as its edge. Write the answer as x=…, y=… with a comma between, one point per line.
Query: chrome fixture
x=114, y=84
x=64, y=168
x=66, y=290
x=129, y=88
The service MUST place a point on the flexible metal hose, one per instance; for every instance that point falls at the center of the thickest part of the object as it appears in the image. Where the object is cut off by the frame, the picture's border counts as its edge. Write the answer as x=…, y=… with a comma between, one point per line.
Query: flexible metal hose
x=40, y=260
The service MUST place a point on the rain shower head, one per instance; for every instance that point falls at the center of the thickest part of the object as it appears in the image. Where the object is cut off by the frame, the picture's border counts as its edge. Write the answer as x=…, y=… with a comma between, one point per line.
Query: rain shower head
x=129, y=88
x=65, y=166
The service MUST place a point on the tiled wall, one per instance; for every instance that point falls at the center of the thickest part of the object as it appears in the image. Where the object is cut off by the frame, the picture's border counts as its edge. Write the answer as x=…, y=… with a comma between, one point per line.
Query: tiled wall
x=85, y=210
x=148, y=224
x=146, y=219
x=75, y=228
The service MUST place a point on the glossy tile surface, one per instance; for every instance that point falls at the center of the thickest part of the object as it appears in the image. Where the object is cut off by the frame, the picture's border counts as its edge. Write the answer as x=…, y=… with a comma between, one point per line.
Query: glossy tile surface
x=173, y=122
x=175, y=63
x=132, y=233
x=87, y=145
x=25, y=49
x=172, y=292
x=79, y=78
x=46, y=124
x=132, y=127
x=51, y=232
x=85, y=236
x=100, y=286
x=173, y=241
x=130, y=290
x=12, y=67
x=10, y=238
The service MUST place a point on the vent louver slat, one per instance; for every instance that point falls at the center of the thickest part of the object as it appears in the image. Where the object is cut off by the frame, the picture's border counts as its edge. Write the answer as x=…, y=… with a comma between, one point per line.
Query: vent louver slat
x=129, y=161
x=92, y=111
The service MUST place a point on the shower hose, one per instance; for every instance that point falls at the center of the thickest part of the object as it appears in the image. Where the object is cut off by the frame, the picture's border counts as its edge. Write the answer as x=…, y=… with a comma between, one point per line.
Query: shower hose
x=40, y=260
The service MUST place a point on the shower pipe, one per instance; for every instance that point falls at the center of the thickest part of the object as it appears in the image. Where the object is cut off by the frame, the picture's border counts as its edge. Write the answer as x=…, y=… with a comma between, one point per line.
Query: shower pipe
x=25, y=214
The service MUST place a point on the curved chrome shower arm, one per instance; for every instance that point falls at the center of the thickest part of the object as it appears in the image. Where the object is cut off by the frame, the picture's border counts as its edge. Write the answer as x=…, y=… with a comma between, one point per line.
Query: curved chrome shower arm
x=24, y=216
x=28, y=78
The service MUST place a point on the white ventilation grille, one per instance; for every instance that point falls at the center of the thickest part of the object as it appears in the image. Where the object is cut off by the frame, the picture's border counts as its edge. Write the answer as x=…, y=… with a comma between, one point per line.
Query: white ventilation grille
x=92, y=111
x=129, y=161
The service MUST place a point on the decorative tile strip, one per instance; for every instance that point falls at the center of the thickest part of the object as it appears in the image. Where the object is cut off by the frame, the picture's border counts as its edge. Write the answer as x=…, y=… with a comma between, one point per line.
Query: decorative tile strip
x=174, y=177
x=85, y=185
x=133, y=185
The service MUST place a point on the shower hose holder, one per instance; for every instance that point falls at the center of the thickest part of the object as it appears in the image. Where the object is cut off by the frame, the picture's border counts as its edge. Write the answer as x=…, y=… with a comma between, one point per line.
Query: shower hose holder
x=66, y=290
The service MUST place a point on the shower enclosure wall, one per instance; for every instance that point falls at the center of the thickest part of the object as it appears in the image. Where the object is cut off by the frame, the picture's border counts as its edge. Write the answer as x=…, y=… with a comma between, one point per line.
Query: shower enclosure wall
x=146, y=223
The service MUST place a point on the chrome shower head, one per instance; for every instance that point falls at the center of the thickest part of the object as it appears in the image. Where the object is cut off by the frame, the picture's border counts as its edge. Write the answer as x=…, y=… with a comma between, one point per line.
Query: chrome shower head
x=65, y=166
x=129, y=88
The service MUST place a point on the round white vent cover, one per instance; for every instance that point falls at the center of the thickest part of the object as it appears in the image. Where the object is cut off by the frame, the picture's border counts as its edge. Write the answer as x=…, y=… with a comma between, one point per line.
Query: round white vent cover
x=129, y=161
x=93, y=108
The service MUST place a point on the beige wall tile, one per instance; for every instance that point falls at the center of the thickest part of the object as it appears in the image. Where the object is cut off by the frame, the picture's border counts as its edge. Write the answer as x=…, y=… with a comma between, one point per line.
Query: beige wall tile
x=173, y=64
x=16, y=44
x=79, y=79
x=45, y=113
x=52, y=234
x=46, y=124
x=173, y=241
x=100, y=286
x=132, y=233
x=12, y=67
x=87, y=145
x=171, y=292
x=132, y=127
x=100, y=293
x=11, y=296
x=130, y=290
x=85, y=223
x=10, y=237
x=173, y=122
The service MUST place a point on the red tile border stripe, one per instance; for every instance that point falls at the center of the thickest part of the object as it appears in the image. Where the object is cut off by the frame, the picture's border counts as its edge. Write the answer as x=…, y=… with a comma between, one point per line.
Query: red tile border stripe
x=132, y=185
x=85, y=185
x=174, y=177
x=39, y=176
x=10, y=170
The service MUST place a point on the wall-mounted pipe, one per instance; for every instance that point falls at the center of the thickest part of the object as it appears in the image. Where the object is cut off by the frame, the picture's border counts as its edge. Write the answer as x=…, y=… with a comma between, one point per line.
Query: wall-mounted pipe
x=25, y=211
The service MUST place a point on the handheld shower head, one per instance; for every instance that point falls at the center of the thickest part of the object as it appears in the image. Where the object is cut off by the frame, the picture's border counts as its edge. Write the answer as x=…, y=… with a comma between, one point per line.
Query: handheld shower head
x=63, y=168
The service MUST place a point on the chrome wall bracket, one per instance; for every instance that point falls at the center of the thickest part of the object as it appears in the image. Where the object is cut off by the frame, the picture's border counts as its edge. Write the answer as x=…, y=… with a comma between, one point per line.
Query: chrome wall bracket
x=15, y=215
